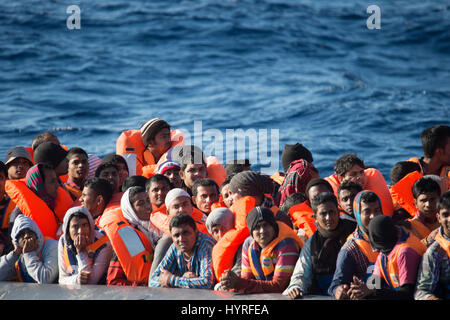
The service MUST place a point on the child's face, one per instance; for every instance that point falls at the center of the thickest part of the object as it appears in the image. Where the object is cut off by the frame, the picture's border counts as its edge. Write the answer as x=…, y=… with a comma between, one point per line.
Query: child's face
x=444, y=220
x=426, y=203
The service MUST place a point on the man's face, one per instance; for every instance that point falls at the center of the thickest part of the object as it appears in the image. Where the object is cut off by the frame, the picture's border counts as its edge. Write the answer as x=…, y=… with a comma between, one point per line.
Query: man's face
x=184, y=238
x=226, y=195
x=51, y=183
x=445, y=154
x=355, y=174
x=30, y=237
x=78, y=167
x=206, y=196
x=142, y=206
x=369, y=210
x=162, y=142
x=112, y=176
x=426, y=203
x=123, y=172
x=327, y=216
x=157, y=192
x=263, y=234
x=218, y=231
x=192, y=173
x=346, y=198
x=17, y=169
x=79, y=227
x=179, y=205
x=315, y=190
x=174, y=177
x=444, y=220
x=91, y=201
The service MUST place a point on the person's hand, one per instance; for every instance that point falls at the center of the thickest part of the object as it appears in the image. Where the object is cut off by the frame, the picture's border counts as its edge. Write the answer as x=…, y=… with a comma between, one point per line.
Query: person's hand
x=164, y=278
x=342, y=292
x=295, y=293
x=433, y=297
x=358, y=289
x=430, y=238
x=84, y=276
x=190, y=274
x=30, y=245
x=81, y=242
x=228, y=280
x=17, y=250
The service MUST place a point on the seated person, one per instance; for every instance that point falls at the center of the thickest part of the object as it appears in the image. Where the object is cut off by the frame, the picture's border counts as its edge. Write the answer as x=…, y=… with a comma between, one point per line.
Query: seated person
x=78, y=170
x=433, y=280
x=396, y=265
x=192, y=169
x=346, y=194
x=171, y=169
x=317, y=263
x=83, y=252
x=18, y=161
x=268, y=256
x=53, y=154
x=110, y=172
x=121, y=163
x=187, y=263
x=33, y=259
x=225, y=193
x=205, y=193
x=95, y=196
x=157, y=187
x=356, y=257
x=6, y=208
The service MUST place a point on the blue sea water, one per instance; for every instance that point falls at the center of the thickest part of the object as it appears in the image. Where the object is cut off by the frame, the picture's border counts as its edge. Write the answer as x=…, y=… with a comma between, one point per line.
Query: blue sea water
x=310, y=69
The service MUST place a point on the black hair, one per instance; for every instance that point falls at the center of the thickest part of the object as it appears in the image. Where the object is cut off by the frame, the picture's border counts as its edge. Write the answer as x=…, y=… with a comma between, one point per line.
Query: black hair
x=236, y=166
x=204, y=183
x=101, y=187
x=104, y=166
x=425, y=185
x=182, y=219
x=401, y=169
x=3, y=168
x=346, y=162
x=226, y=181
x=157, y=178
x=316, y=182
x=349, y=185
x=444, y=201
x=75, y=150
x=133, y=181
x=322, y=198
x=434, y=138
x=40, y=138
x=190, y=154
x=292, y=200
x=369, y=197
x=134, y=191
x=115, y=158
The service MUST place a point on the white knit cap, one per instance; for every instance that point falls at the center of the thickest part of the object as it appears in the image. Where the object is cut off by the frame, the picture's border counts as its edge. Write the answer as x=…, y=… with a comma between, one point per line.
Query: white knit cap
x=174, y=194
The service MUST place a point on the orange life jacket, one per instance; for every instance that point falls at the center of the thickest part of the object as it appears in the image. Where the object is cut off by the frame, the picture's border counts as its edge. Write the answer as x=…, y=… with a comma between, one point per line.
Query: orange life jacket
x=218, y=204
x=374, y=182
x=389, y=268
x=420, y=230
x=444, y=243
x=225, y=249
x=5, y=222
x=401, y=192
x=365, y=248
x=302, y=217
x=35, y=208
x=75, y=192
x=278, y=177
x=266, y=257
x=132, y=247
x=161, y=220
x=445, y=171
x=114, y=203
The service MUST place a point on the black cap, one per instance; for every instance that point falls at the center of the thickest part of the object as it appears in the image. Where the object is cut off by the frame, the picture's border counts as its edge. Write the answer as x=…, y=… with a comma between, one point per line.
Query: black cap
x=294, y=152
x=51, y=153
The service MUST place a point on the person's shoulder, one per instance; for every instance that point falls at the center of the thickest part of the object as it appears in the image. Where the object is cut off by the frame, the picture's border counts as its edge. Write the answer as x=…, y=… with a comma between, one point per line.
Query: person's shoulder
x=205, y=239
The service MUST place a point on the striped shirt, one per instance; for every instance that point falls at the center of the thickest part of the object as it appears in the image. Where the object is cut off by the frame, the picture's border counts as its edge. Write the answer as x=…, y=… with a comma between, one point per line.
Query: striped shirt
x=201, y=264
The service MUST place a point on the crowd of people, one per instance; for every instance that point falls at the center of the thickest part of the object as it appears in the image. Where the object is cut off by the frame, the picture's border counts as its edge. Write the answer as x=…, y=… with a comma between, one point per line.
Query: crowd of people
x=159, y=213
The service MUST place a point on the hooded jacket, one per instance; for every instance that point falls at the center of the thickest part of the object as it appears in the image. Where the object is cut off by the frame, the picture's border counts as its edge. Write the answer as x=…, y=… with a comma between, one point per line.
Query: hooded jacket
x=39, y=266
x=72, y=263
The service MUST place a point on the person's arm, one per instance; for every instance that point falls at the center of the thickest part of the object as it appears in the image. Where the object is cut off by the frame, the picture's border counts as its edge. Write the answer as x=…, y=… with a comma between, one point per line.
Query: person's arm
x=44, y=270
x=428, y=276
x=343, y=276
x=100, y=265
x=303, y=273
x=168, y=263
x=7, y=262
x=65, y=277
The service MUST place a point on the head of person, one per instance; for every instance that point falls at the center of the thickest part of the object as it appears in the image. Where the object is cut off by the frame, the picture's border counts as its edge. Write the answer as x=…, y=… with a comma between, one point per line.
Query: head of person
x=366, y=206
x=236, y=166
x=44, y=137
x=171, y=169
x=292, y=200
x=184, y=233
x=133, y=181
x=219, y=222
x=110, y=172
x=77, y=222
x=225, y=191
x=294, y=152
x=205, y=192
x=42, y=180
x=3, y=177
x=251, y=183
x=78, y=167
x=401, y=169
x=157, y=188
x=383, y=234
x=316, y=186
x=96, y=195
x=121, y=163
x=346, y=193
x=54, y=154
x=436, y=143
x=193, y=167
x=135, y=204
x=350, y=167
x=24, y=230
x=426, y=193
x=18, y=161
x=443, y=215
x=326, y=213
x=178, y=201
x=156, y=136
x=262, y=226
